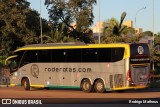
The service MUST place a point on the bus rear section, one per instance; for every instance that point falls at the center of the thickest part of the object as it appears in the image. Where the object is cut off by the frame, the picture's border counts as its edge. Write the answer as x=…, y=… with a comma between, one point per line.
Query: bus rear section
x=139, y=72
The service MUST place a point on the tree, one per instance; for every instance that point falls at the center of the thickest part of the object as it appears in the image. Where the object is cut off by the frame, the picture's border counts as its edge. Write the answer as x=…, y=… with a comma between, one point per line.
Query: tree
x=33, y=27
x=113, y=27
x=69, y=11
x=108, y=26
x=117, y=30
x=19, y=25
x=12, y=23
x=158, y=34
x=148, y=33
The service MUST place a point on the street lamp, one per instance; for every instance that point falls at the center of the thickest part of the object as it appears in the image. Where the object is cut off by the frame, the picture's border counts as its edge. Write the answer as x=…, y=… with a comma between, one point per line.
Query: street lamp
x=137, y=13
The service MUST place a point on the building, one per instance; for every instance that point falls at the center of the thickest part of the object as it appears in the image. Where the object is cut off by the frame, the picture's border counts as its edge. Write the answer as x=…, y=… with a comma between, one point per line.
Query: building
x=138, y=30
x=98, y=27
x=128, y=23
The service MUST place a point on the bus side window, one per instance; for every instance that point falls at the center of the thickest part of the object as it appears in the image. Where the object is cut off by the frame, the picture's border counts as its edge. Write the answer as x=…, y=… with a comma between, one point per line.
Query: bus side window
x=44, y=55
x=117, y=54
x=29, y=57
x=89, y=55
x=73, y=55
x=59, y=55
x=104, y=55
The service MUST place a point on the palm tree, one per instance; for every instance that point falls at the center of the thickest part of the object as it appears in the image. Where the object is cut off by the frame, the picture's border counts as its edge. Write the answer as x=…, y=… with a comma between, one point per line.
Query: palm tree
x=117, y=30
x=158, y=33
x=113, y=27
x=109, y=26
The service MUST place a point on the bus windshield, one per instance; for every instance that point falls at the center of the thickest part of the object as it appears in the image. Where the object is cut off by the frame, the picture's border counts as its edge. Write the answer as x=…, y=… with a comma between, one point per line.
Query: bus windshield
x=13, y=61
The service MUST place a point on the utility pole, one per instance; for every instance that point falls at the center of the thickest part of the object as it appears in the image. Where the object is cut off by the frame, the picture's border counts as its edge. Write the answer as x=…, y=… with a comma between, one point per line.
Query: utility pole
x=153, y=37
x=99, y=37
x=41, y=21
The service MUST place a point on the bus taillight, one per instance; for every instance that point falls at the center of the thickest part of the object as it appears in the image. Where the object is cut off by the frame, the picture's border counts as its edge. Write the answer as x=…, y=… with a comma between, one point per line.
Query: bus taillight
x=129, y=75
x=150, y=75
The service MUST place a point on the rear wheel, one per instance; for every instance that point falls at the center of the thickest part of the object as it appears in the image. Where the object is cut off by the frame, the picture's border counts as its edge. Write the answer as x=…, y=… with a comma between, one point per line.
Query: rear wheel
x=99, y=86
x=86, y=86
x=26, y=84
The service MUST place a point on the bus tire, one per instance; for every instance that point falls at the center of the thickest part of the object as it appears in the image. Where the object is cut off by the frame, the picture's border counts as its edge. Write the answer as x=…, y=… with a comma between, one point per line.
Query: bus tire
x=26, y=84
x=86, y=86
x=99, y=86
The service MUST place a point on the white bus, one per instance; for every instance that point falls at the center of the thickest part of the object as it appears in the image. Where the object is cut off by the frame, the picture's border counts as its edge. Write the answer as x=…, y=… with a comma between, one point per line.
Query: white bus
x=98, y=67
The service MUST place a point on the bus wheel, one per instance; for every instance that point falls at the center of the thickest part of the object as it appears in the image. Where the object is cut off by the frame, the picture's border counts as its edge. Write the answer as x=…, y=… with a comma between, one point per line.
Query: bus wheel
x=26, y=84
x=99, y=86
x=86, y=86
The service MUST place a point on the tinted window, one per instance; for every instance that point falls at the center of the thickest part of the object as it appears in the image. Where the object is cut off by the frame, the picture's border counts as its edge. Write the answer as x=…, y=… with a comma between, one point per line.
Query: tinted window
x=89, y=55
x=13, y=65
x=117, y=54
x=29, y=57
x=44, y=55
x=104, y=55
x=74, y=55
x=59, y=55
x=19, y=56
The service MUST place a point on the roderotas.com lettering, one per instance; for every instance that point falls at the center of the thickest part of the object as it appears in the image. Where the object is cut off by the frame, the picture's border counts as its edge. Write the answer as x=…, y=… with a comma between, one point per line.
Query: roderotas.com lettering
x=55, y=69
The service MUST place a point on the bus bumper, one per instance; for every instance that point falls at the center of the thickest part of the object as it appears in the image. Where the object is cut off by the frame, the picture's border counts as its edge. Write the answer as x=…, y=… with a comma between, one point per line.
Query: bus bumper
x=13, y=85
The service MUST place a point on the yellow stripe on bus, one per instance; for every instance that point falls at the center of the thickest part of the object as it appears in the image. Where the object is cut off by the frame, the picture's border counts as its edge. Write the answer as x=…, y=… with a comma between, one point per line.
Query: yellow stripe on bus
x=136, y=87
x=12, y=85
x=37, y=86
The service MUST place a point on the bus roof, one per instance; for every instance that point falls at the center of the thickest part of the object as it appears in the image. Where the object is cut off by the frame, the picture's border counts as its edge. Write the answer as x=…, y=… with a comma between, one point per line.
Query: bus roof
x=69, y=46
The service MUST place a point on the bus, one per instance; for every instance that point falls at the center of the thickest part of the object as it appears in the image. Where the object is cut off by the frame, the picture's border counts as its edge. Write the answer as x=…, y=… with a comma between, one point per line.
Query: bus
x=89, y=67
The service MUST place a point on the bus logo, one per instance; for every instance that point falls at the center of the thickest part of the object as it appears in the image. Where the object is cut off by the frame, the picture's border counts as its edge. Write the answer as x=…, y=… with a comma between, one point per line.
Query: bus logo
x=34, y=70
x=140, y=50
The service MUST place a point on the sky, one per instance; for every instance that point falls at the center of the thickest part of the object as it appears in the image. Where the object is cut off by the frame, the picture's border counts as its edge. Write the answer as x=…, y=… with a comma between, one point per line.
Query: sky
x=114, y=8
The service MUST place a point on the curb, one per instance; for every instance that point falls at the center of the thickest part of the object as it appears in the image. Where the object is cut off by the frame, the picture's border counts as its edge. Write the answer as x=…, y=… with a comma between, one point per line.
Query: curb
x=2, y=86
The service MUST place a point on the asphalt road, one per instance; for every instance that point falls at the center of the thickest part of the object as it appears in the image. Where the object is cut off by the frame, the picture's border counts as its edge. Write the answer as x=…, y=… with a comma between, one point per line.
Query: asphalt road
x=77, y=96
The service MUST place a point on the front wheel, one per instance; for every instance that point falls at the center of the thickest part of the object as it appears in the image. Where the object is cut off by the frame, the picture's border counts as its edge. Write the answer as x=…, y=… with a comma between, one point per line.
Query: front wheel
x=26, y=84
x=86, y=86
x=99, y=86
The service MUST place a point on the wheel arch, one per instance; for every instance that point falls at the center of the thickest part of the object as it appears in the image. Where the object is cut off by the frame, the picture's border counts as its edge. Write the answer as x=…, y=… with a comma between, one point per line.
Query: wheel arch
x=25, y=77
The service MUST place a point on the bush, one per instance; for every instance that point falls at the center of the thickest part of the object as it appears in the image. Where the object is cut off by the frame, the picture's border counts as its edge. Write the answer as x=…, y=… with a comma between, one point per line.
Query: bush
x=155, y=84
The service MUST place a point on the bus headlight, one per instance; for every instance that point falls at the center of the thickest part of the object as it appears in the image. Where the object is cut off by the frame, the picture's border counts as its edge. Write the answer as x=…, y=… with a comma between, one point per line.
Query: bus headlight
x=48, y=83
x=15, y=74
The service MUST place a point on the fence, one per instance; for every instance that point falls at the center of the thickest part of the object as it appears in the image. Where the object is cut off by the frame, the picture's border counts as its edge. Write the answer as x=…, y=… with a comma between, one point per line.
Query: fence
x=4, y=76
